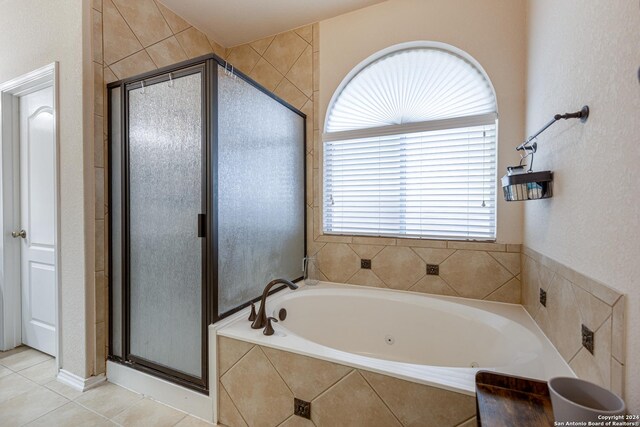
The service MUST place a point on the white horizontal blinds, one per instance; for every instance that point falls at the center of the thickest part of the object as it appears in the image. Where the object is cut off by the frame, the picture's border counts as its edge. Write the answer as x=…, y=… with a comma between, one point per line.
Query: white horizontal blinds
x=427, y=184
x=410, y=150
x=411, y=86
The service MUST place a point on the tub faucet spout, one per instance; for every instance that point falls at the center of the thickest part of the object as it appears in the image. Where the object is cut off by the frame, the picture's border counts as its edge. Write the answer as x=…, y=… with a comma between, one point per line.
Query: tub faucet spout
x=261, y=317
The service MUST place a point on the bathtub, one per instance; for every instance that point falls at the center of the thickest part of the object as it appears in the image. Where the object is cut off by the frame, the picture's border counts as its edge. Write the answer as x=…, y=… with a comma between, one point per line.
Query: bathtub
x=433, y=340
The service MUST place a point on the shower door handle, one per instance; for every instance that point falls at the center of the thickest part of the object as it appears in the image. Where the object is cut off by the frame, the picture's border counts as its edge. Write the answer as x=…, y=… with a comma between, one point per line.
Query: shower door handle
x=202, y=225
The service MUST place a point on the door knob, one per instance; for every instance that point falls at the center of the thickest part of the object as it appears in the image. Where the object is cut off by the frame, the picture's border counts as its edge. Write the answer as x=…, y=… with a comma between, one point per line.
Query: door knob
x=20, y=233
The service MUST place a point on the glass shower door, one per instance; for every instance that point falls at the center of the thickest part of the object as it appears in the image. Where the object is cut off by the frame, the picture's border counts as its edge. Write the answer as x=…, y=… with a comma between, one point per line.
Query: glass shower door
x=166, y=209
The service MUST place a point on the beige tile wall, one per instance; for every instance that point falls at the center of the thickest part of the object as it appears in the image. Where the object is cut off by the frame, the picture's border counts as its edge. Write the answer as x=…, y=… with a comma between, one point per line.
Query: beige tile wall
x=135, y=37
x=129, y=38
x=257, y=386
x=574, y=300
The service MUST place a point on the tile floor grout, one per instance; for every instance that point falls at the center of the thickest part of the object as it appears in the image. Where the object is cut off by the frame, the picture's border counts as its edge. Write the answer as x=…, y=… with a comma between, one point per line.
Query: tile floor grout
x=125, y=403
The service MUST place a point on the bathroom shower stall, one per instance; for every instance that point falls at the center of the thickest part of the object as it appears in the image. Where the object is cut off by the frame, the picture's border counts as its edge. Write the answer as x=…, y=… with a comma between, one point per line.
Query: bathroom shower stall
x=206, y=205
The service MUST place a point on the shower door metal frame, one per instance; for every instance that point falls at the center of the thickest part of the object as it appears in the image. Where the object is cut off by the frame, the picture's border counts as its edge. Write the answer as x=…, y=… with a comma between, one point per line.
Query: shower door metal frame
x=208, y=66
x=208, y=250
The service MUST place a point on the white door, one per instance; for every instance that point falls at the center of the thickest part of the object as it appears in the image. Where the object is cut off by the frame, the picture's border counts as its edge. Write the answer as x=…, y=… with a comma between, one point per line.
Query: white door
x=37, y=216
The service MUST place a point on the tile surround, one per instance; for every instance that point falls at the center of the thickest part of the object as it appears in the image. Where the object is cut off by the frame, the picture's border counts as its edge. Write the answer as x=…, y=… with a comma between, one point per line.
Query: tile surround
x=395, y=264
x=126, y=44
x=339, y=395
x=573, y=300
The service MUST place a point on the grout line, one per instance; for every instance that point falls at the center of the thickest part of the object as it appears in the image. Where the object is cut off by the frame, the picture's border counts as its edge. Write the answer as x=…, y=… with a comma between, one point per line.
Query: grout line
x=501, y=264
x=237, y=361
x=232, y=402
x=351, y=370
x=465, y=421
x=127, y=22
x=277, y=372
x=380, y=397
x=182, y=47
x=49, y=412
x=570, y=359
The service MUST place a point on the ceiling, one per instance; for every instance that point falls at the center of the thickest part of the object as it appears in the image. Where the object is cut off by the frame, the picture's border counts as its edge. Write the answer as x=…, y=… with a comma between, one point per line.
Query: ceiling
x=235, y=22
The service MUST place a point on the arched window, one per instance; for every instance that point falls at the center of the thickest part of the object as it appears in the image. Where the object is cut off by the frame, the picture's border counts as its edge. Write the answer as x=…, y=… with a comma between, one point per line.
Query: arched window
x=410, y=148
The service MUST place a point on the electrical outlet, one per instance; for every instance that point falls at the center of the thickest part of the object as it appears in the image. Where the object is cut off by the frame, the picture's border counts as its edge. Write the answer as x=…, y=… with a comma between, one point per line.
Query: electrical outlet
x=543, y=297
x=433, y=269
x=365, y=263
x=587, y=338
x=301, y=408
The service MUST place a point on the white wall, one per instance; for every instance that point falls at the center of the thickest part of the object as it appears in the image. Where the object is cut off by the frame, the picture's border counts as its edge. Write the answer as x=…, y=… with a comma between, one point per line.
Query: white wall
x=579, y=54
x=34, y=33
x=491, y=31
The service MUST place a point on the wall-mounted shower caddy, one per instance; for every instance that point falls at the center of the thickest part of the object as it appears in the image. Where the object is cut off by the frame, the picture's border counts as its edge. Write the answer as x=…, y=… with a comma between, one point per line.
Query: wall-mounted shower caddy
x=524, y=184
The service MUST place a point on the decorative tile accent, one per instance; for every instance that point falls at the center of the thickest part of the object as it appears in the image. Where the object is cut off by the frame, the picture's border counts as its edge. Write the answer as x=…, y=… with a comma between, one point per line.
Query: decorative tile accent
x=352, y=402
x=306, y=377
x=473, y=274
x=255, y=387
x=339, y=395
x=398, y=267
x=433, y=269
x=587, y=339
x=571, y=305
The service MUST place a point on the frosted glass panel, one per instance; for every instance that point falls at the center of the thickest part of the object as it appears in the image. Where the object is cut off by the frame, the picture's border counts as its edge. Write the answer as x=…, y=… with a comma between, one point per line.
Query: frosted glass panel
x=115, y=211
x=260, y=192
x=165, y=163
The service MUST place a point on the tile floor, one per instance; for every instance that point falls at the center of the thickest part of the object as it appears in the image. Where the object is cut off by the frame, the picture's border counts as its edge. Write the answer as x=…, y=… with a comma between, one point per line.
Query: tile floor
x=30, y=395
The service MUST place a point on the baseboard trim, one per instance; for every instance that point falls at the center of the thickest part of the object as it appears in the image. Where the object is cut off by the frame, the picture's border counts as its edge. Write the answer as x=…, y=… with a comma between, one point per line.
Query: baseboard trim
x=170, y=394
x=77, y=382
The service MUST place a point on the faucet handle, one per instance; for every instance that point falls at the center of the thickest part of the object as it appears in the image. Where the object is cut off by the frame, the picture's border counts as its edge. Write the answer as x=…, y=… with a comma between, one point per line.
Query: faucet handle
x=253, y=315
x=268, y=330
